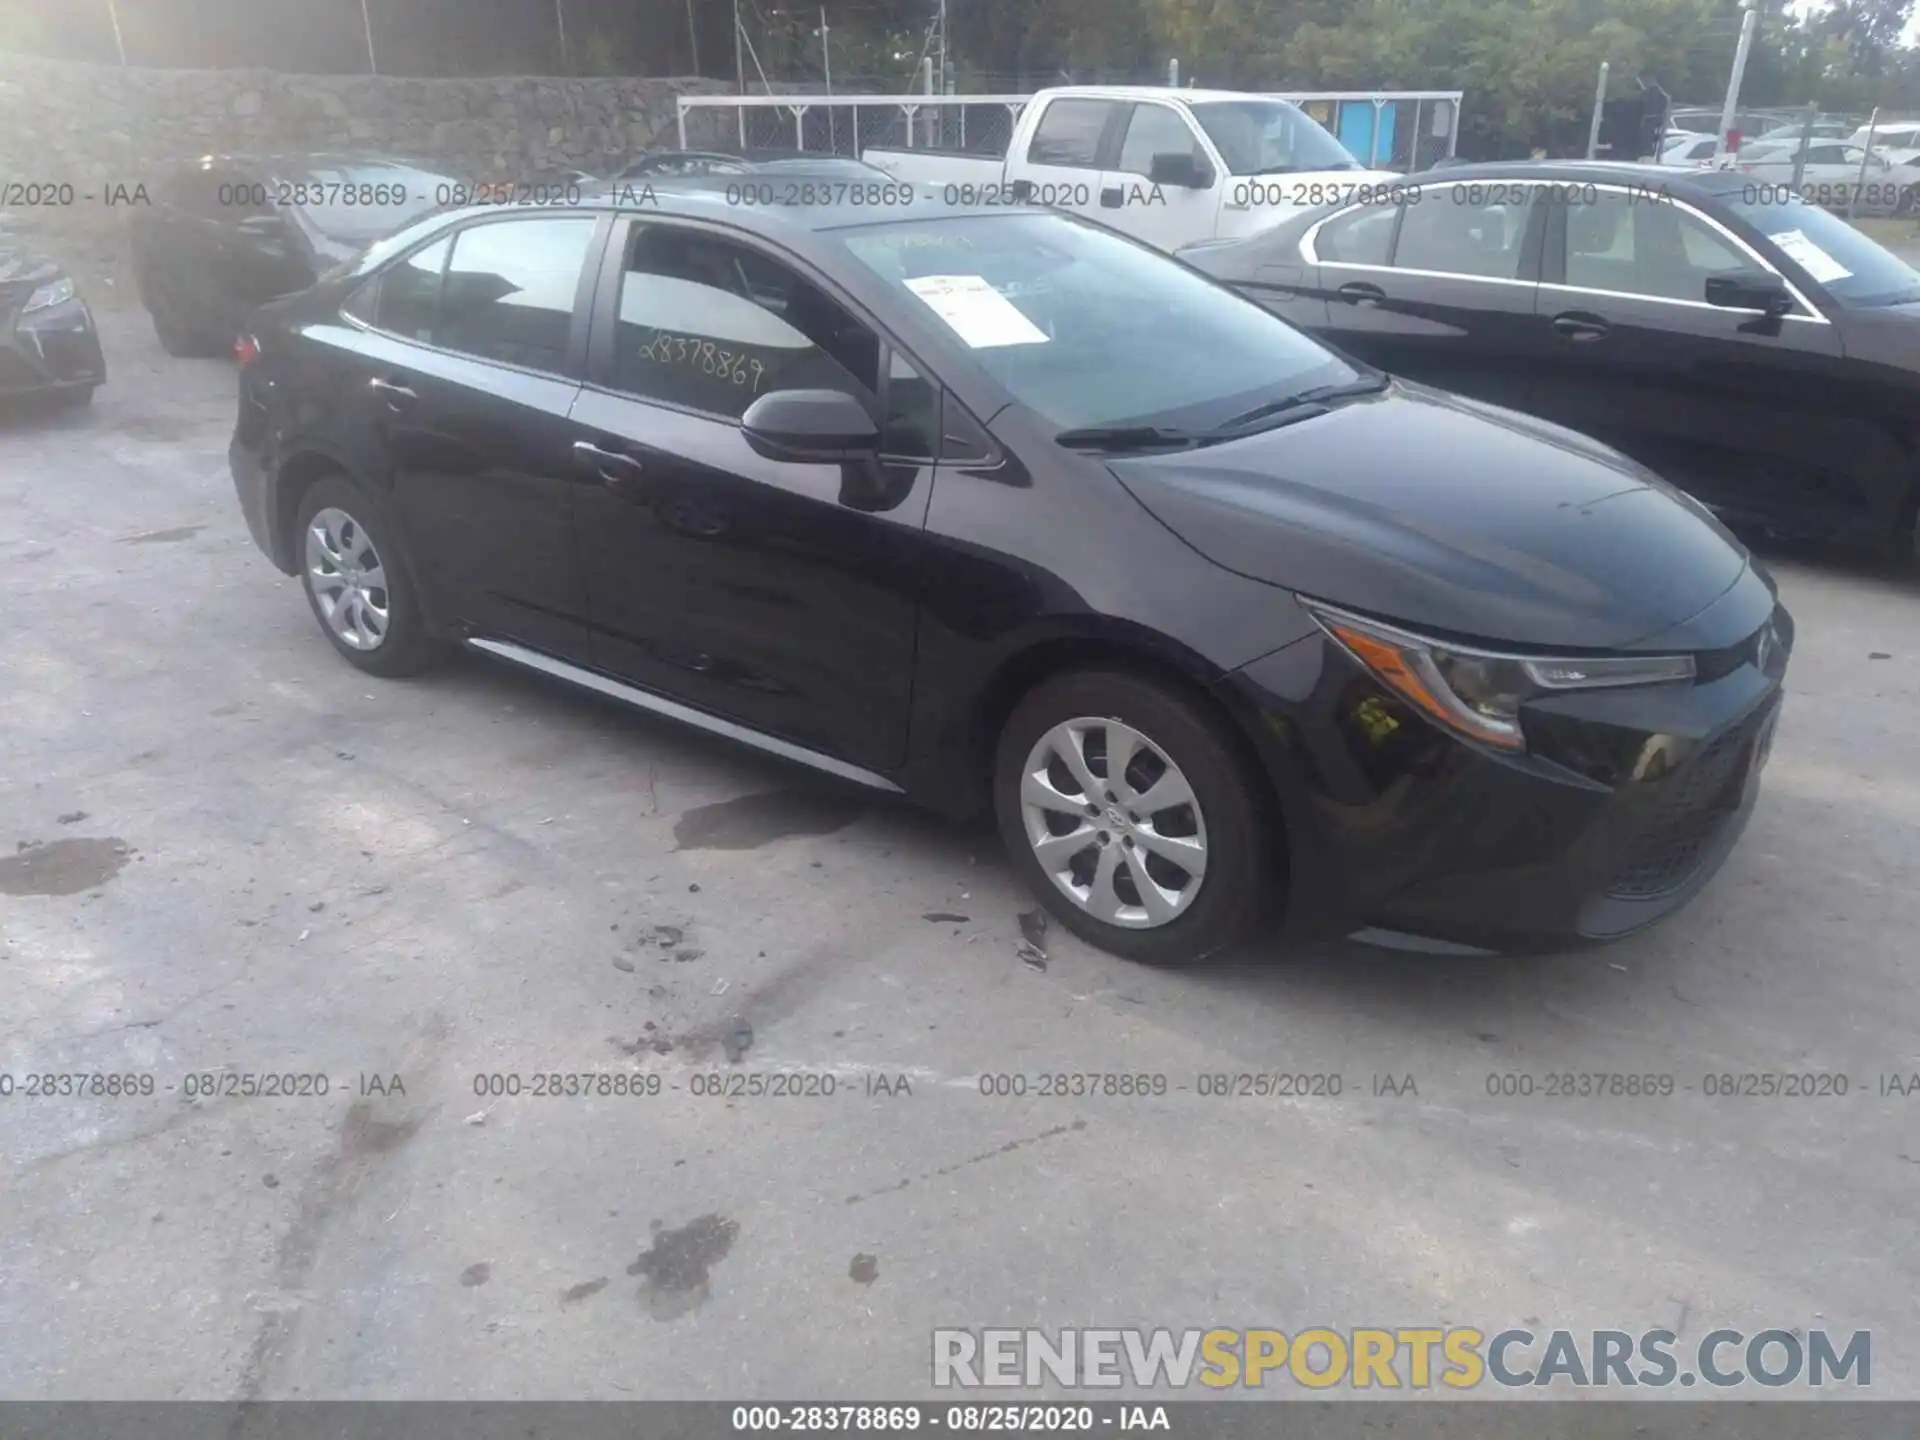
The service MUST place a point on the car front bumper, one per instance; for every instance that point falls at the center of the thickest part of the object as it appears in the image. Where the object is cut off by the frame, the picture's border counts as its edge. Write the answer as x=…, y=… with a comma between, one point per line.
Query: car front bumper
x=52, y=349
x=1624, y=807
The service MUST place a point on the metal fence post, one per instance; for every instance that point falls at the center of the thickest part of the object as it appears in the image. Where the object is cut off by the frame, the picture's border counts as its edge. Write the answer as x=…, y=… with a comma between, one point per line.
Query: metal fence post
x=1866, y=155
x=1806, y=140
x=366, y=21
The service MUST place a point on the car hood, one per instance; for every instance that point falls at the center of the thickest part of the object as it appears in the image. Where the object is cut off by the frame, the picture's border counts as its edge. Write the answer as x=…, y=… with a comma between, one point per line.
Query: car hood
x=1448, y=515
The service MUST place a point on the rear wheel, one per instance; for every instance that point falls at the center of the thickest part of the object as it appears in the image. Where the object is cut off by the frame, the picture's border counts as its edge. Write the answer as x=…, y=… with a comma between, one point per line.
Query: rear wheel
x=356, y=582
x=1128, y=809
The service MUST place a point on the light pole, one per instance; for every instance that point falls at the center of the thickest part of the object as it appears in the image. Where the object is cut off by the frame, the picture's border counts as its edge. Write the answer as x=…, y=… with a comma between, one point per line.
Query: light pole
x=119, y=42
x=1749, y=22
x=1599, y=109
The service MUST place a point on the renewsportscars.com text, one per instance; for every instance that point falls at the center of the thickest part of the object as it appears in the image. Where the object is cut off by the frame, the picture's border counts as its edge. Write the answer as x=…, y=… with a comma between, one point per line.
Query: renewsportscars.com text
x=1411, y=1358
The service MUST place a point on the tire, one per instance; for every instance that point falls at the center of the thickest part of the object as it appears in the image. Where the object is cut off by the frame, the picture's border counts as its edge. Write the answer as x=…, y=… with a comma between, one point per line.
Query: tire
x=178, y=338
x=372, y=617
x=1226, y=816
x=75, y=399
x=1908, y=197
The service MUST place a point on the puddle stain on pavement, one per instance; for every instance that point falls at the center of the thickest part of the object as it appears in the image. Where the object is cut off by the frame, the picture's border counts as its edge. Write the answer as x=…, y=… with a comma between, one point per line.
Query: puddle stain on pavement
x=63, y=867
x=164, y=537
x=679, y=1264
x=751, y=821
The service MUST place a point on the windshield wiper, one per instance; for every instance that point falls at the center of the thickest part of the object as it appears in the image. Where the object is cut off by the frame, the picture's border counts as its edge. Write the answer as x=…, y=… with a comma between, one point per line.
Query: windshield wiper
x=1125, y=437
x=1306, y=403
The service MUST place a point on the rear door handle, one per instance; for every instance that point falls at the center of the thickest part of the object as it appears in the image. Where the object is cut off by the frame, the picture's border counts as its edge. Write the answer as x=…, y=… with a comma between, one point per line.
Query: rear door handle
x=616, y=471
x=397, y=396
x=1112, y=198
x=1360, y=292
x=1581, y=327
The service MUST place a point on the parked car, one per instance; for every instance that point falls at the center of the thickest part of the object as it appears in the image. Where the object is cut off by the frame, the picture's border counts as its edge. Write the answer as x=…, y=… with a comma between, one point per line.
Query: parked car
x=1793, y=134
x=667, y=164
x=227, y=232
x=1746, y=345
x=1003, y=510
x=49, y=347
x=1894, y=138
x=1690, y=150
x=1169, y=167
x=1836, y=175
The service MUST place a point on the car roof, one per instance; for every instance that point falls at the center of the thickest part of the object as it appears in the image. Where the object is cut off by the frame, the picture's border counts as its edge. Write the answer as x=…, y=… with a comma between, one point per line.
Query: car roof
x=705, y=197
x=1575, y=172
x=316, y=160
x=1148, y=92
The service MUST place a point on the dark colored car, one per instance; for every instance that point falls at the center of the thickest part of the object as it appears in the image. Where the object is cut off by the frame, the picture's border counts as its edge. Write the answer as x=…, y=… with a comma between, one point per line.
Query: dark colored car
x=666, y=164
x=228, y=232
x=49, y=348
x=1001, y=509
x=1747, y=346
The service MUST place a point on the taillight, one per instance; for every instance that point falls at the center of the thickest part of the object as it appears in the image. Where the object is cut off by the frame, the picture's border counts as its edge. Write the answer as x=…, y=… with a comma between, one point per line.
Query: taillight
x=246, y=349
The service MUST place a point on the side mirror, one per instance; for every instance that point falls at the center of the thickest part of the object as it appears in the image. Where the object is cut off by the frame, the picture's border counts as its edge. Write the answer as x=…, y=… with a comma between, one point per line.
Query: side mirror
x=1180, y=168
x=819, y=425
x=1750, y=290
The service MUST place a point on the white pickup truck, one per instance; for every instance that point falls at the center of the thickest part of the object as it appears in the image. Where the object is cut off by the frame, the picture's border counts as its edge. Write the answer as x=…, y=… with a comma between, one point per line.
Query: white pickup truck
x=1169, y=167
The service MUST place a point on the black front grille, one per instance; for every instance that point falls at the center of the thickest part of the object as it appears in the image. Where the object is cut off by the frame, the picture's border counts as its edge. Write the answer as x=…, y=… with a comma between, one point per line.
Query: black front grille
x=1694, y=804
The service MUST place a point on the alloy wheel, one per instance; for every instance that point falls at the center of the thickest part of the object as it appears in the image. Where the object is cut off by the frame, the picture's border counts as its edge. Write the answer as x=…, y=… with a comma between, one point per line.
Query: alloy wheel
x=1114, y=823
x=348, y=581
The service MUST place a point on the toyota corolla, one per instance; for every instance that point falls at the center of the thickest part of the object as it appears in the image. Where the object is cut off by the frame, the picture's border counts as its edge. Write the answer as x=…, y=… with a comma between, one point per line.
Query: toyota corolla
x=1005, y=511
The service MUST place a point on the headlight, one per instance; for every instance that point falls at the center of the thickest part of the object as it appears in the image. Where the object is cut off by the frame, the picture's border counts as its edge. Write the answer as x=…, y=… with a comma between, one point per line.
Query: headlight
x=57, y=293
x=1478, y=693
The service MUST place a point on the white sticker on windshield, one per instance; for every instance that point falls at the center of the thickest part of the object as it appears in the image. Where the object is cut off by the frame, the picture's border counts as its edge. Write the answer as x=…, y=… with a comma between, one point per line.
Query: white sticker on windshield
x=978, y=313
x=1810, y=257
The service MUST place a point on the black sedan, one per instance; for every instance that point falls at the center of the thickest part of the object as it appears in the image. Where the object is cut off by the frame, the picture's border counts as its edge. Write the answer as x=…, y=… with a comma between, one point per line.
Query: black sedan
x=1002, y=510
x=228, y=232
x=1749, y=347
x=49, y=348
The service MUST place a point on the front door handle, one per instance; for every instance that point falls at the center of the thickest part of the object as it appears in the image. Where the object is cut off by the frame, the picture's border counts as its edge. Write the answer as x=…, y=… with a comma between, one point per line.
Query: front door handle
x=397, y=396
x=1581, y=327
x=1112, y=198
x=1361, y=293
x=616, y=471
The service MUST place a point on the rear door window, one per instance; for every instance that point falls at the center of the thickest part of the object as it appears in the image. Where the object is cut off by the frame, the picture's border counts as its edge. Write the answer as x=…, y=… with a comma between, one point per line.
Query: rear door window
x=1471, y=230
x=509, y=290
x=408, y=299
x=1069, y=133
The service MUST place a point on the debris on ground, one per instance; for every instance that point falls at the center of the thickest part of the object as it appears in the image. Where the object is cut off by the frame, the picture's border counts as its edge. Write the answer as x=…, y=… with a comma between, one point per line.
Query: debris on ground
x=945, y=917
x=738, y=1039
x=1033, y=939
x=620, y=962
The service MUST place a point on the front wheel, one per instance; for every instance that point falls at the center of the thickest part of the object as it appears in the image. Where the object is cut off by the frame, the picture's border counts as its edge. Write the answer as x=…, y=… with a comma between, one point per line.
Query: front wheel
x=356, y=581
x=1129, y=811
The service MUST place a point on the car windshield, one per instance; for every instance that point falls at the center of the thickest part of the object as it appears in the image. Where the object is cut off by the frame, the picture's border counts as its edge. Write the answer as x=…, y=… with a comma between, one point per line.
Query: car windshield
x=347, y=202
x=1092, y=330
x=1265, y=137
x=1853, y=269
